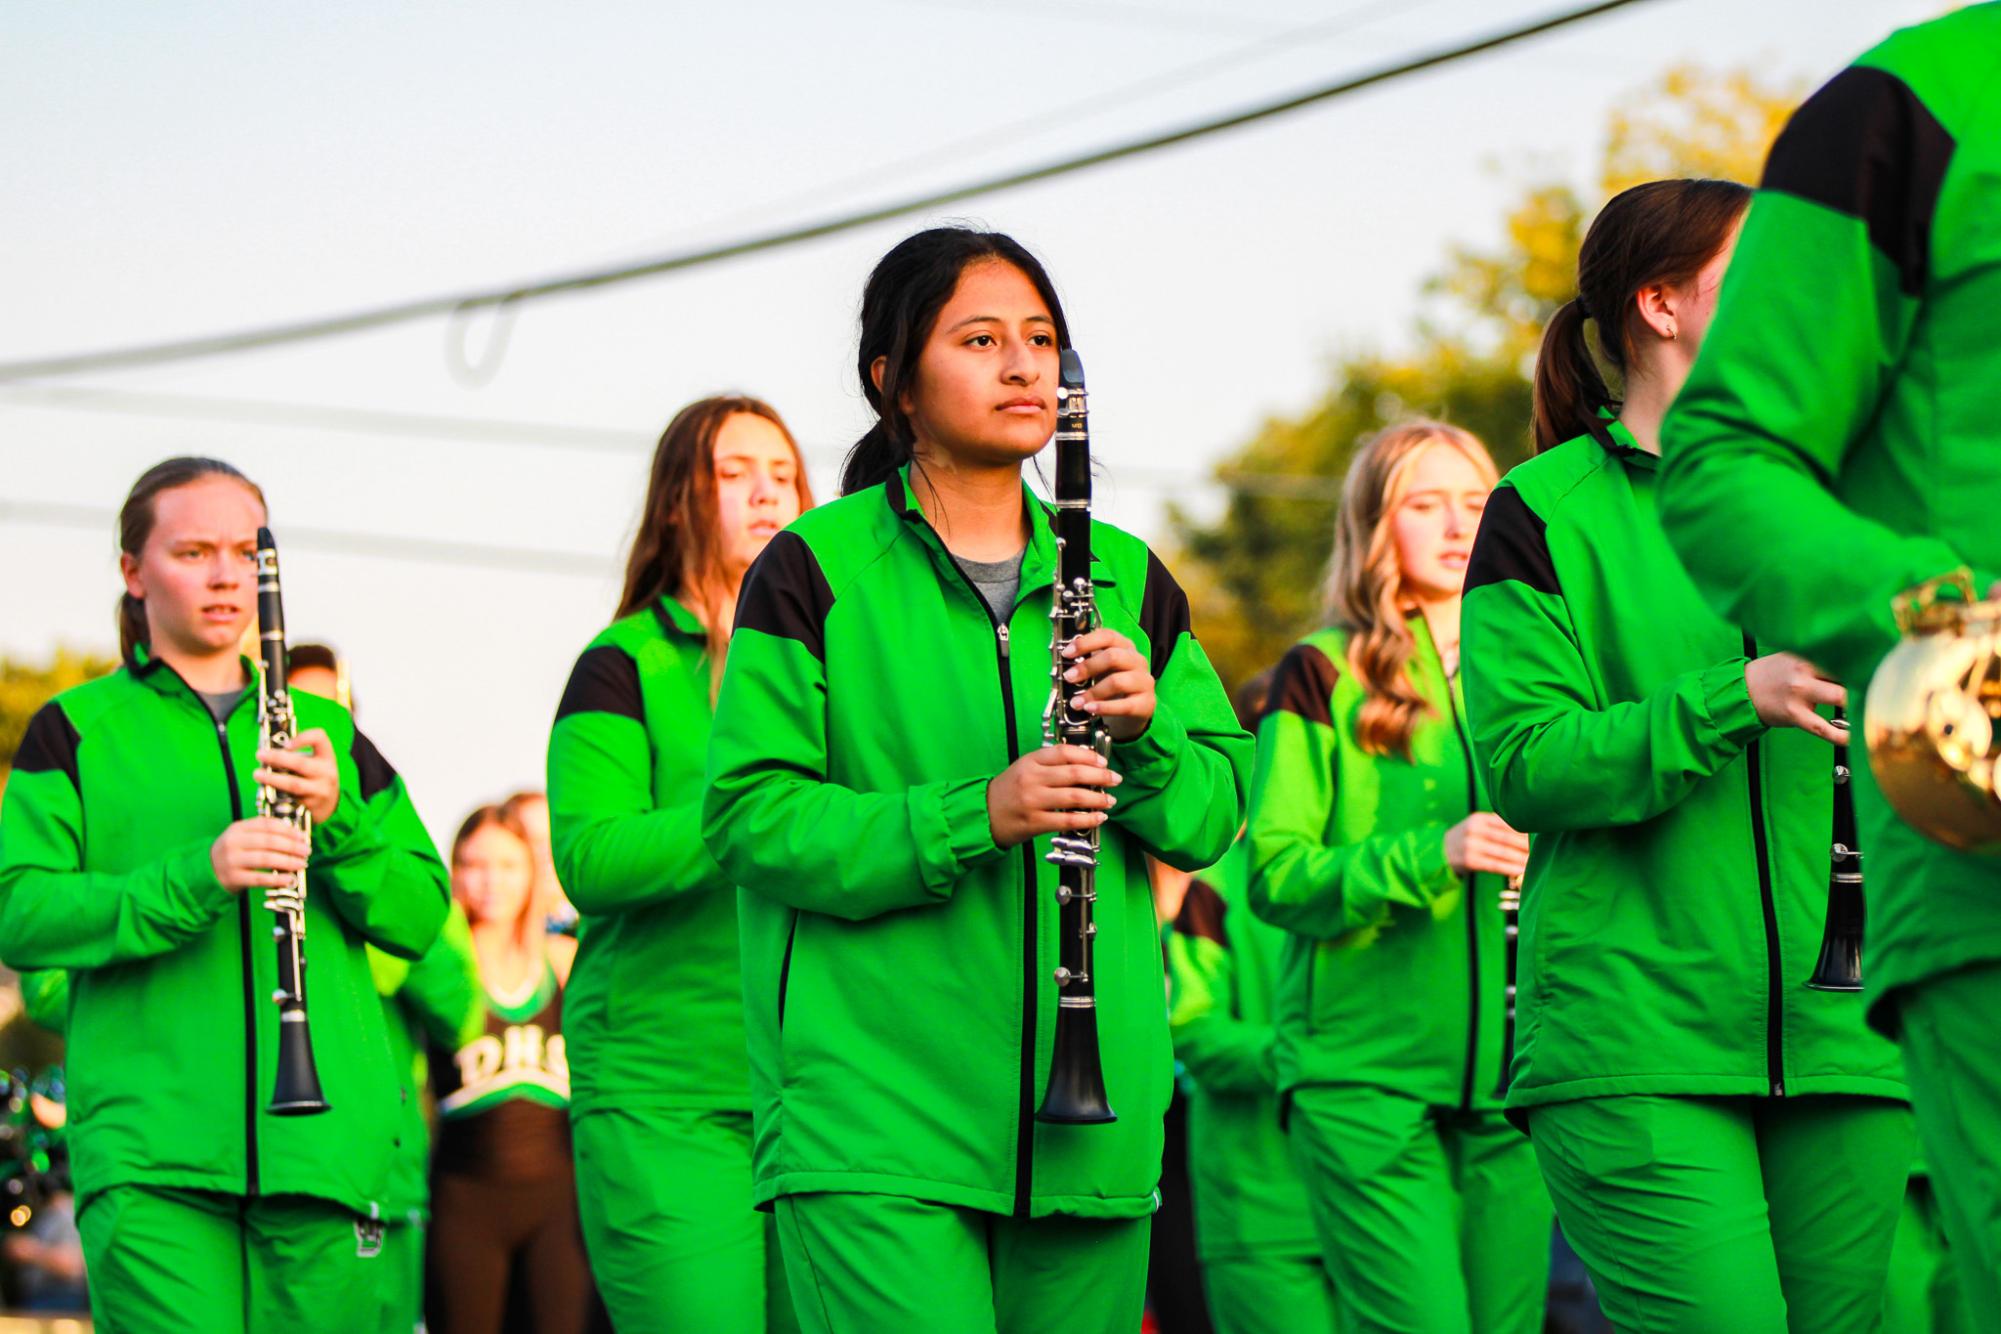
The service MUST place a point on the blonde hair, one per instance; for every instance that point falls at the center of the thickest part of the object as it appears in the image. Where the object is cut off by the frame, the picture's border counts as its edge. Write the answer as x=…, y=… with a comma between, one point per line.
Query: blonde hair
x=1364, y=591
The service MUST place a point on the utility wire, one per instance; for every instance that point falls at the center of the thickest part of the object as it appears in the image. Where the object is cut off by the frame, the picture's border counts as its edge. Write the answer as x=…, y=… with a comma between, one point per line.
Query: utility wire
x=1123, y=95
x=553, y=435
x=104, y=519
x=402, y=312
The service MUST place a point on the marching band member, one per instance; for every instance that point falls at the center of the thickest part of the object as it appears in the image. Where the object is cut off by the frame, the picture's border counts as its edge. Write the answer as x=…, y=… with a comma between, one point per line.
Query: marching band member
x=1726, y=1147
x=129, y=861
x=1832, y=449
x=1371, y=843
x=661, y=1083
x=879, y=788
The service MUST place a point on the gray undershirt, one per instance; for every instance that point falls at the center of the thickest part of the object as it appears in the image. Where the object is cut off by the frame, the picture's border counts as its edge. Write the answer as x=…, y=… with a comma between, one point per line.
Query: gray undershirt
x=999, y=581
x=223, y=702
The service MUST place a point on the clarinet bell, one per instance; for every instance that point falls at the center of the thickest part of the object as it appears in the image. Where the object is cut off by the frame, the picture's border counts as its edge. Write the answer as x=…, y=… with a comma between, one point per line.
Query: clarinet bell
x=1840, y=965
x=298, y=1088
x=1076, y=1092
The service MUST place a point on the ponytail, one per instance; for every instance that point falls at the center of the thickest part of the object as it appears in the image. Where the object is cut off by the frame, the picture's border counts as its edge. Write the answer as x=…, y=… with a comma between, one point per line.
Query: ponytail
x=1660, y=232
x=1569, y=389
x=874, y=458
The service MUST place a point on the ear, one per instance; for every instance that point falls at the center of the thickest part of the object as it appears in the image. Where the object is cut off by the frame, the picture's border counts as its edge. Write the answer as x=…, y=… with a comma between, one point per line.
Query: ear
x=128, y=566
x=1656, y=303
x=875, y=372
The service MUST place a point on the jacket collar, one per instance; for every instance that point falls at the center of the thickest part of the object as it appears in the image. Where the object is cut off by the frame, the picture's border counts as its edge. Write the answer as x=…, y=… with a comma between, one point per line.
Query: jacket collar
x=1613, y=437
x=1038, y=562
x=676, y=621
x=156, y=673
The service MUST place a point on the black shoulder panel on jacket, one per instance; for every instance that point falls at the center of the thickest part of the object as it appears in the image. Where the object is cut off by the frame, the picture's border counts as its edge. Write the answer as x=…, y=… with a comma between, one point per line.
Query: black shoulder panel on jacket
x=377, y=774
x=1865, y=145
x=50, y=743
x=1163, y=613
x=605, y=680
x=1303, y=685
x=1513, y=543
x=786, y=594
x=1202, y=913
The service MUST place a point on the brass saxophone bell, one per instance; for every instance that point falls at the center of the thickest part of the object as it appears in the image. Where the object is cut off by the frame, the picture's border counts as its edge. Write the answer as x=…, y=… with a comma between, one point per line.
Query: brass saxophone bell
x=1932, y=711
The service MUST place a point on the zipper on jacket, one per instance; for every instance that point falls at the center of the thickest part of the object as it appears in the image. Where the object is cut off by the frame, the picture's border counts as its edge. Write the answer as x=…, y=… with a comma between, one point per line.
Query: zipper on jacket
x=1472, y=917
x=1031, y=980
x=249, y=983
x=1775, y=1050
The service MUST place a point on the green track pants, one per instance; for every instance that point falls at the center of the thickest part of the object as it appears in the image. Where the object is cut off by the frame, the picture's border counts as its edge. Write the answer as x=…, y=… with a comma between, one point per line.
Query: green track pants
x=1269, y=1294
x=1922, y=1296
x=1947, y=1028
x=403, y=1278
x=167, y=1261
x=673, y=1239
x=1430, y=1221
x=1731, y=1215
x=885, y=1264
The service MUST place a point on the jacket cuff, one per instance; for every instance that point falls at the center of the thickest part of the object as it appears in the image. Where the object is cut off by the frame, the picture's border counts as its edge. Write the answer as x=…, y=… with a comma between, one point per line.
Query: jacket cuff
x=1150, y=758
x=1726, y=699
x=956, y=824
x=191, y=875
x=1431, y=873
x=336, y=835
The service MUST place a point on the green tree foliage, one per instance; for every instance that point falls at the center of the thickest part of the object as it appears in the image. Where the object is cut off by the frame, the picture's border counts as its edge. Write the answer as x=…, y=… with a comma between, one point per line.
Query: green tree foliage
x=1254, y=573
x=26, y=686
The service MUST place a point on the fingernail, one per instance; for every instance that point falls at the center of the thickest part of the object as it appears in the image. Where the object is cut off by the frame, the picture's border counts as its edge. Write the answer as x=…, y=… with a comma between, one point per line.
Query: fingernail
x=1069, y=650
x=1074, y=674
x=1078, y=700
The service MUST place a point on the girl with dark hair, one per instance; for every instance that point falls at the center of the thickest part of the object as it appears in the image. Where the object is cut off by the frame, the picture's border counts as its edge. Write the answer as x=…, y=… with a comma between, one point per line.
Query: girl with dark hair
x=128, y=860
x=1726, y=1147
x=503, y=1192
x=660, y=1087
x=1372, y=844
x=880, y=790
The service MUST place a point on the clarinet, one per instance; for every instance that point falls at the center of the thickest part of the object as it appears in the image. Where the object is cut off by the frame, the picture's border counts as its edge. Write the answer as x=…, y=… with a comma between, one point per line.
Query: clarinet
x=298, y=1085
x=1511, y=934
x=1840, y=965
x=1076, y=1090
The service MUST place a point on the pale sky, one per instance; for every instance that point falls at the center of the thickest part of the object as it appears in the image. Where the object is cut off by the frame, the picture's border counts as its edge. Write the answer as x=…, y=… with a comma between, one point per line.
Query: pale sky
x=176, y=170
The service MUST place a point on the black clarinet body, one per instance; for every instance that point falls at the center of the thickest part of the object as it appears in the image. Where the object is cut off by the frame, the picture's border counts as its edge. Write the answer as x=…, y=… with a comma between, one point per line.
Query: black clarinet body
x=297, y=1088
x=1839, y=967
x=1511, y=935
x=1076, y=1089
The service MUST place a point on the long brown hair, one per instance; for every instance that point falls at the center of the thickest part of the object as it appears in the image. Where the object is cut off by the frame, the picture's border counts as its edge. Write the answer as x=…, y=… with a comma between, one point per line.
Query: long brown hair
x=675, y=550
x=1660, y=232
x=135, y=525
x=503, y=819
x=1365, y=583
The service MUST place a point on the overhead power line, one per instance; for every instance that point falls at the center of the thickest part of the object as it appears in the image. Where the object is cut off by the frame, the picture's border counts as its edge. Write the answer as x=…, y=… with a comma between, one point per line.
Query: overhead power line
x=1069, y=113
x=527, y=560
x=512, y=296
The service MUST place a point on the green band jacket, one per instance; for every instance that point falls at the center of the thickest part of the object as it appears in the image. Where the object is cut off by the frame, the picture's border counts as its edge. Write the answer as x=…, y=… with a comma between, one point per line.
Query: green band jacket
x=1676, y=893
x=119, y=789
x=1836, y=441
x=1393, y=975
x=898, y=966
x=653, y=1013
x=1222, y=966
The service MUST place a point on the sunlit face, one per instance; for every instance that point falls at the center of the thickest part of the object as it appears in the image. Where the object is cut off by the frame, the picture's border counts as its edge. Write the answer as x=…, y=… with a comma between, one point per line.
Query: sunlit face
x=493, y=875
x=985, y=388
x=1434, y=524
x=197, y=571
x=757, y=490
x=1696, y=302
